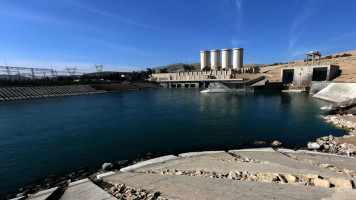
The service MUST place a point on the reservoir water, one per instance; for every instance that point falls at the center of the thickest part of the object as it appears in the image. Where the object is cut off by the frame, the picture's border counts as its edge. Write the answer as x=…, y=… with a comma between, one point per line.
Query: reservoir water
x=58, y=135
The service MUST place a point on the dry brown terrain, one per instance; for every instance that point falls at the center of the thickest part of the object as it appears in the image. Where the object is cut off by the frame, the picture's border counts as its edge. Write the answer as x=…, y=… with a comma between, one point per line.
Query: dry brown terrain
x=347, y=65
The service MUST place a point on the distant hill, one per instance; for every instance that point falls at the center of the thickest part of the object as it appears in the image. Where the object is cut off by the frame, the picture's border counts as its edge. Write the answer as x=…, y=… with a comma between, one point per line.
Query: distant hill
x=176, y=67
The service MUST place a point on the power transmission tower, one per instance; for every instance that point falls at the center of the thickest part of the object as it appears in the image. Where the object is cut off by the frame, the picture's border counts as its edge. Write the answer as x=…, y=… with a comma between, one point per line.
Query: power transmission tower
x=99, y=68
x=71, y=71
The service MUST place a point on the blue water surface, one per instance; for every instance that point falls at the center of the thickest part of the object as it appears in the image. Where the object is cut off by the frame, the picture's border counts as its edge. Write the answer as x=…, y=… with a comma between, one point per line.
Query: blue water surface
x=57, y=135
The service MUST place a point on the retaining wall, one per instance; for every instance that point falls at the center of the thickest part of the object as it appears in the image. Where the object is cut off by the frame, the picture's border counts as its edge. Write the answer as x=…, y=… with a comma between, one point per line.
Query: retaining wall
x=337, y=92
x=23, y=93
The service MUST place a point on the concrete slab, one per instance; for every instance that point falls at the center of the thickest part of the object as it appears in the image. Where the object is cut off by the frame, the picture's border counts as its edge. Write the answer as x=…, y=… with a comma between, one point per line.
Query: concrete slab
x=85, y=190
x=268, y=149
x=192, y=154
x=148, y=162
x=18, y=198
x=42, y=195
x=99, y=176
x=341, y=162
x=78, y=182
x=328, y=154
x=190, y=187
x=216, y=156
x=278, y=163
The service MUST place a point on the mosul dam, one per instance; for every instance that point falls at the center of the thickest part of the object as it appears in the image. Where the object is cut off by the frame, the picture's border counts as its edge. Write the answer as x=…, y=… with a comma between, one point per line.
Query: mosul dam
x=326, y=77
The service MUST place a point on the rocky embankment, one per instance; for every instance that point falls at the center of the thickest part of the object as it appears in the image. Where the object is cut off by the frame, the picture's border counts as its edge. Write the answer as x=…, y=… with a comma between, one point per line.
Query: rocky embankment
x=345, y=107
x=344, y=145
x=122, y=191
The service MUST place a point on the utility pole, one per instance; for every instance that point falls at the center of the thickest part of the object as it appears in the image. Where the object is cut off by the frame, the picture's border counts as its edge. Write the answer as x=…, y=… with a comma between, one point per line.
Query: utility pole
x=32, y=74
x=8, y=72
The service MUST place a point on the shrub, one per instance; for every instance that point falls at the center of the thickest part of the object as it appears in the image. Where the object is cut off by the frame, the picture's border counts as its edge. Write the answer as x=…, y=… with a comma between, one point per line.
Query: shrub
x=345, y=55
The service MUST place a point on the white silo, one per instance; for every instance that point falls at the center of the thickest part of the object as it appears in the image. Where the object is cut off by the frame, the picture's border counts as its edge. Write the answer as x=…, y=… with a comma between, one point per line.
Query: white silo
x=226, y=58
x=204, y=59
x=215, y=59
x=238, y=58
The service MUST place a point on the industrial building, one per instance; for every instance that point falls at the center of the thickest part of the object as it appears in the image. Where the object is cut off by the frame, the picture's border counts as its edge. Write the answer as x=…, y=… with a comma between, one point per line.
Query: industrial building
x=238, y=58
x=215, y=59
x=204, y=59
x=226, y=59
x=223, y=61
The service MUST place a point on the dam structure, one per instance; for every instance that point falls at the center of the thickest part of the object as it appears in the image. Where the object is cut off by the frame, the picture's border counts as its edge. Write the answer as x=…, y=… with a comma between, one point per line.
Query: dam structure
x=223, y=69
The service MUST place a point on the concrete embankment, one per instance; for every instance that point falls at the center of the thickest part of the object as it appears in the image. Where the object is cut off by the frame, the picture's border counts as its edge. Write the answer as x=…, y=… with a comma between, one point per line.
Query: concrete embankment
x=264, y=173
x=337, y=92
x=24, y=93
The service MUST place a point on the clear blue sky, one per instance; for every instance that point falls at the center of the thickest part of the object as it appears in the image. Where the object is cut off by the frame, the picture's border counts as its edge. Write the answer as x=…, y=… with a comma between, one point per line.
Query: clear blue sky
x=127, y=35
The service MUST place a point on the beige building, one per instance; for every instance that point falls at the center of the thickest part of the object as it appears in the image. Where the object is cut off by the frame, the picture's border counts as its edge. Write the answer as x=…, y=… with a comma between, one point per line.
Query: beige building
x=193, y=76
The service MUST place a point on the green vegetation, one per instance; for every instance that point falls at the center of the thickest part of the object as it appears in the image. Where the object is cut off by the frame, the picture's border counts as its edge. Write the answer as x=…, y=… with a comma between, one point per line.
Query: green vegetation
x=278, y=63
x=206, y=68
x=60, y=80
x=252, y=70
x=346, y=55
x=97, y=77
x=188, y=67
x=163, y=70
x=111, y=76
x=116, y=76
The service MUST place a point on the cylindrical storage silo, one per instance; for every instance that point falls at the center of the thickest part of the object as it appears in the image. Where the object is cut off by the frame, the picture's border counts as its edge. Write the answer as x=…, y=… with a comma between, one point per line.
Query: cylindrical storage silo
x=238, y=58
x=215, y=59
x=204, y=59
x=226, y=58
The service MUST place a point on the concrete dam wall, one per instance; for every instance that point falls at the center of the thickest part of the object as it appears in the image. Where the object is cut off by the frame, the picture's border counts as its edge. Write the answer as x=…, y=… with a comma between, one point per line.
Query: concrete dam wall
x=23, y=93
x=316, y=86
x=337, y=92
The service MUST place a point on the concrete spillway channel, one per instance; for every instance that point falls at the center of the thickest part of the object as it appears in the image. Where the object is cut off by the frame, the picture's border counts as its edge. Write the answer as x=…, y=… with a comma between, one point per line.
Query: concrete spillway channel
x=24, y=93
